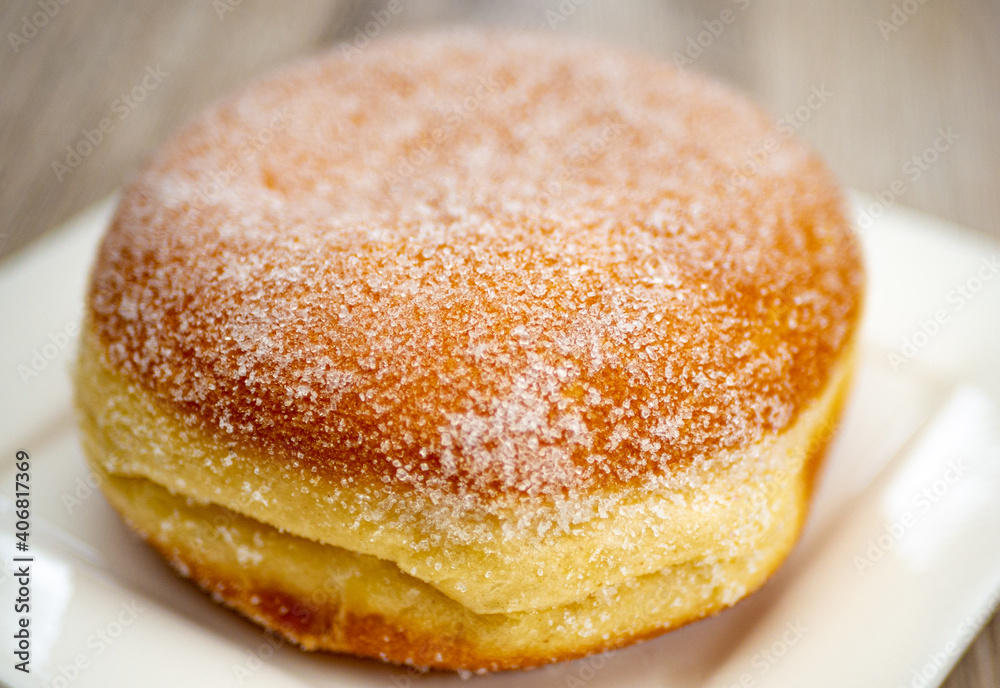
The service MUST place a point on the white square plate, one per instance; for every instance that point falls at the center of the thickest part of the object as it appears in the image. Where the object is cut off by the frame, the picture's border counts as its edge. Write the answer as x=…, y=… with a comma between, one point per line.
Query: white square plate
x=897, y=570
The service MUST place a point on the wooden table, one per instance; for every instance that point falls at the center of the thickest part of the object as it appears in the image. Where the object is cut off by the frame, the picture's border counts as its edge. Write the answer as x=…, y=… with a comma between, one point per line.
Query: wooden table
x=913, y=92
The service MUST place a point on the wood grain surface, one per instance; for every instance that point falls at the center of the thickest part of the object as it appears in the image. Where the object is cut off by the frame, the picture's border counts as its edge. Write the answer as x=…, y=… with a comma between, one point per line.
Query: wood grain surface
x=909, y=107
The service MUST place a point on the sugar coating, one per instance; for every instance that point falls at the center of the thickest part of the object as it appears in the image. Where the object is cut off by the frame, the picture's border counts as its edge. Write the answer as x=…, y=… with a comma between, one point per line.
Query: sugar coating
x=481, y=269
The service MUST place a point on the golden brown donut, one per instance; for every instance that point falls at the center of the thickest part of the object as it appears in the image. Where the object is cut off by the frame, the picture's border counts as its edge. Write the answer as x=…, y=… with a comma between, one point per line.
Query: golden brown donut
x=471, y=351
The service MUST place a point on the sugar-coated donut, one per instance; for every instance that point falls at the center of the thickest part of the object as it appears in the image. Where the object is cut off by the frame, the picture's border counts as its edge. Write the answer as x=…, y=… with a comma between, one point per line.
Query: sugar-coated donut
x=471, y=350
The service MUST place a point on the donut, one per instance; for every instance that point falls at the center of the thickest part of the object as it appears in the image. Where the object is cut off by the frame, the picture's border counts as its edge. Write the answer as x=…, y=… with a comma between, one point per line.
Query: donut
x=471, y=350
